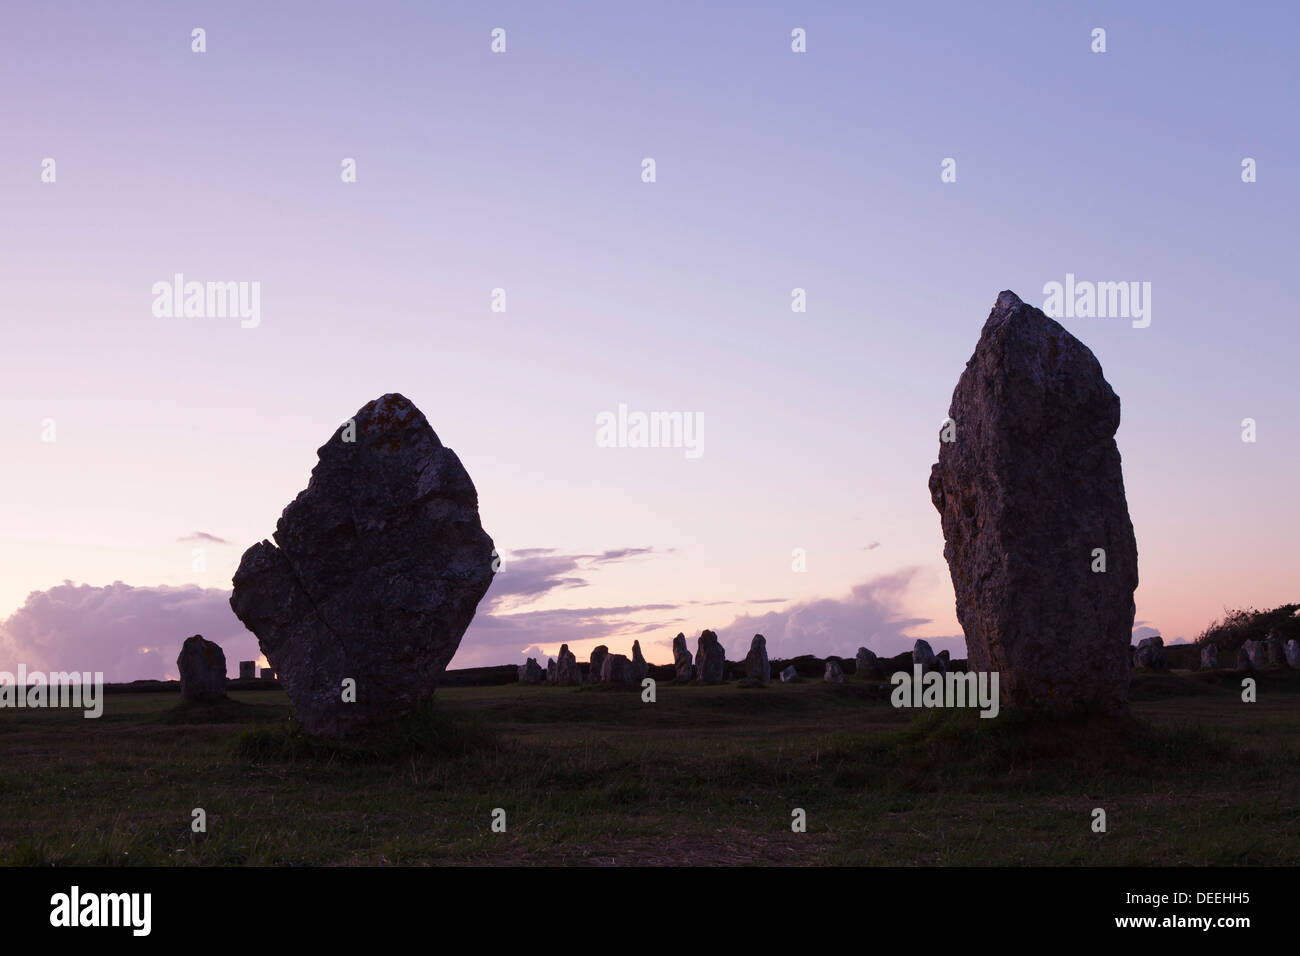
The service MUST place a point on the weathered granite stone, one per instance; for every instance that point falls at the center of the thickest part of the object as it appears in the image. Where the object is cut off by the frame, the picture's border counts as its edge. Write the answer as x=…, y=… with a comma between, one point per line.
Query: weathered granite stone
x=1258, y=651
x=923, y=654
x=202, y=666
x=531, y=673
x=834, y=672
x=1028, y=488
x=868, y=665
x=683, y=669
x=551, y=670
x=1245, y=660
x=640, y=669
x=597, y=666
x=1210, y=657
x=567, y=672
x=789, y=674
x=617, y=670
x=1292, y=650
x=1151, y=654
x=1275, y=648
x=756, y=663
x=710, y=659
x=380, y=565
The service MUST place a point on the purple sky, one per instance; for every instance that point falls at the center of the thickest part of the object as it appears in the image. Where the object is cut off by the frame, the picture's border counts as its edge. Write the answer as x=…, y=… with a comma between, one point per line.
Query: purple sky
x=522, y=171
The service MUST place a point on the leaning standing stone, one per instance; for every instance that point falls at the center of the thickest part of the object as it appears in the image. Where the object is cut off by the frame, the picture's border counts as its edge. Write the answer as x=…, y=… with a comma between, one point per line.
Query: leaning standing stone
x=597, y=667
x=567, y=672
x=683, y=669
x=640, y=669
x=1031, y=497
x=868, y=665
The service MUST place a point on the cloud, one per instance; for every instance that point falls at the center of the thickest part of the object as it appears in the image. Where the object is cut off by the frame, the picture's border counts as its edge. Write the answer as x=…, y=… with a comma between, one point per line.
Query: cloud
x=203, y=536
x=871, y=615
x=532, y=573
x=129, y=633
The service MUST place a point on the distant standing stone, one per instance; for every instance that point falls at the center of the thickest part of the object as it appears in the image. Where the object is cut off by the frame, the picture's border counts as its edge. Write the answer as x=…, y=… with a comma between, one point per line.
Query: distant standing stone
x=868, y=665
x=834, y=672
x=551, y=670
x=202, y=666
x=567, y=672
x=617, y=669
x=531, y=673
x=1210, y=657
x=710, y=659
x=640, y=669
x=1030, y=494
x=683, y=669
x=1293, y=653
x=756, y=663
x=597, y=666
x=789, y=674
x=1151, y=654
x=247, y=670
x=1244, y=662
x=1275, y=648
x=1258, y=655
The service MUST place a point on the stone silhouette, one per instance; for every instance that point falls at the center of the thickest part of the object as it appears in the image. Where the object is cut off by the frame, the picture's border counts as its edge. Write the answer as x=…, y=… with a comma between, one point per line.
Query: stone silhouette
x=567, y=672
x=1259, y=657
x=834, y=673
x=640, y=669
x=531, y=673
x=1210, y=657
x=683, y=670
x=756, y=663
x=380, y=565
x=1151, y=654
x=551, y=670
x=1031, y=497
x=868, y=665
x=1292, y=651
x=597, y=665
x=923, y=654
x=1245, y=659
x=1275, y=648
x=789, y=674
x=202, y=666
x=617, y=670
x=710, y=659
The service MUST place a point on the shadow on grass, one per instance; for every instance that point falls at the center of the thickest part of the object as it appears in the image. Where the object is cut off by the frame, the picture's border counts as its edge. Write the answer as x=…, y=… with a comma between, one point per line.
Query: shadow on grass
x=429, y=732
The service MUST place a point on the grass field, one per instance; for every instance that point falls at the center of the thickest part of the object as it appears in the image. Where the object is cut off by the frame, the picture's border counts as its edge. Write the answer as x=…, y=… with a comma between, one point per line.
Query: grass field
x=705, y=775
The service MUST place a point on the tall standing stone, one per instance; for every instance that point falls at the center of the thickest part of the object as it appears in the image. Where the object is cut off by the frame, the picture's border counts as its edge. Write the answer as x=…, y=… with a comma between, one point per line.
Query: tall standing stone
x=710, y=659
x=1210, y=657
x=1151, y=654
x=868, y=665
x=683, y=669
x=597, y=666
x=756, y=663
x=640, y=669
x=551, y=670
x=567, y=672
x=1292, y=652
x=923, y=654
x=1031, y=497
x=202, y=666
x=376, y=571
x=617, y=670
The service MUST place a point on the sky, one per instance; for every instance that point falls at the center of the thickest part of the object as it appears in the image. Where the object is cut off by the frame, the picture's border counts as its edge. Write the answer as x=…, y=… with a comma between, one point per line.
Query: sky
x=133, y=438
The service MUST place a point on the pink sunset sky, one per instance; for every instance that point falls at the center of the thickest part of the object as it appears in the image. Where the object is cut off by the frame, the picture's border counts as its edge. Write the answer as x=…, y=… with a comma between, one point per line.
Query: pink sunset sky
x=130, y=439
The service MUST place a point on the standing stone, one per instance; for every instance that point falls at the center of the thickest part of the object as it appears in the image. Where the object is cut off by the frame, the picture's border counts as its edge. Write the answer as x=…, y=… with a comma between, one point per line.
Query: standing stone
x=1245, y=660
x=1151, y=654
x=682, y=667
x=1028, y=488
x=202, y=666
x=531, y=673
x=268, y=674
x=868, y=665
x=1292, y=651
x=710, y=659
x=616, y=669
x=1258, y=651
x=567, y=672
x=597, y=666
x=789, y=674
x=380, y=565
x=247, y=670
x=1210, y=657
x=834, y=673
x=942, y=661
x=551, y=670
x=1275, y=648
x=756, y=663
x=640, y=669
x=923, y=654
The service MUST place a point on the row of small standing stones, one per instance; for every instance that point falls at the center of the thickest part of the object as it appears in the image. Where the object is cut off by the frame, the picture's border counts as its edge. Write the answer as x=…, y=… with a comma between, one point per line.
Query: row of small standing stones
x=708, y=666
x=1271, y=653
